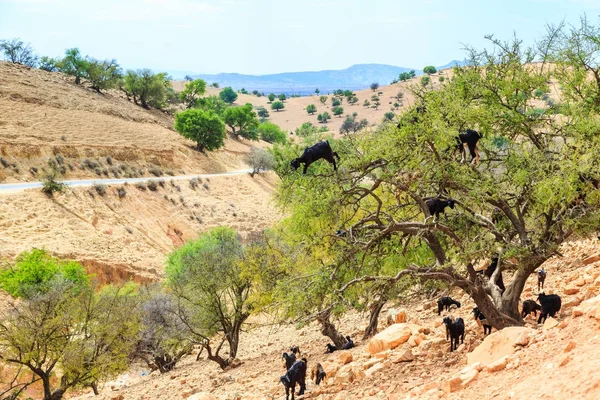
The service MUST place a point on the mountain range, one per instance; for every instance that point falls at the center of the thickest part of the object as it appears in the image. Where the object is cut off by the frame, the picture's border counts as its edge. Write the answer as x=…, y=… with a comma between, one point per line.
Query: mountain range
x=356, y=77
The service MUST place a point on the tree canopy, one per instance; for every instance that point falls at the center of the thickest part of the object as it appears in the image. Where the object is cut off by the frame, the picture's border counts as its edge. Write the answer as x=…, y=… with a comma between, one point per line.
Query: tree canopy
x=16, y=51
x=194, y=89
x=272, y=133
x=430, y=69
x=203, y=127
x=228, y=95
x=242, y=120
x=277, y=105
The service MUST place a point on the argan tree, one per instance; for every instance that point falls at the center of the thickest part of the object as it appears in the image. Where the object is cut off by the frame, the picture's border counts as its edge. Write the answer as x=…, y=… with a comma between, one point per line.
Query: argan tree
x=311, y=109
x=277, y=105
x=323, y=117
x=74, y=64
x=430, y=69
x=228, y=95
x=242, y=120
x=203, y=127
x=193, y=91
x=15, y=51
x=102, y=74
x=374, y=86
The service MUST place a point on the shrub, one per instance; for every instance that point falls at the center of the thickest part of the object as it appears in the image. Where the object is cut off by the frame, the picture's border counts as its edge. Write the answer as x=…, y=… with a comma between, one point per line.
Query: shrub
x=388, y=116
x=194, y=182
x=228, y=95
x=141, y=186
x=109, y=160
x=338, y=111
x=51, y=183
x=4, y=162
x=311, y=109
x=152, y=186
x=121, y=192
x=277, y=105
x=430, y=69
x=425, y=80
x=100, y=189
x=324, y=117
x=155, y=171
x=335, y=102
x=34, y=270
x=271, y=97
x=170, y=172
x=272, y=133
x=260, y=159
x=306, y=129
x=374, y=86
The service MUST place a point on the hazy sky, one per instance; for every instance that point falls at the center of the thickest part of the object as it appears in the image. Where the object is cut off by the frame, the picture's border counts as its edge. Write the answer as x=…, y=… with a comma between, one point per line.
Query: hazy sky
x=268, y=36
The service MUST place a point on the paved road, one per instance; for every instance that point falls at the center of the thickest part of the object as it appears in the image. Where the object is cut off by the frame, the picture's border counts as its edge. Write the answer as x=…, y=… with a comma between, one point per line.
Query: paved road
x=19, y=187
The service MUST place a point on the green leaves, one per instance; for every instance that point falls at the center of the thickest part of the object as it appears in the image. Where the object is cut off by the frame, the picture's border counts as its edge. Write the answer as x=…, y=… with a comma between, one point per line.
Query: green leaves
x=203, y=127
x=192, y=92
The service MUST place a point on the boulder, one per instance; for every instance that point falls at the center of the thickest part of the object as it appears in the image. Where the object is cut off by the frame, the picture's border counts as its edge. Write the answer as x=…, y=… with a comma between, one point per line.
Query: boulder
x=550, y=323
x=590, y=306
x=498, y=365
x=344, y=375
x=389, y=338
x=452, y=385
x=469, y=377
x=375, y=368
x=499, y=344
x=345, y=356
x=577, y=312
x=406, y=356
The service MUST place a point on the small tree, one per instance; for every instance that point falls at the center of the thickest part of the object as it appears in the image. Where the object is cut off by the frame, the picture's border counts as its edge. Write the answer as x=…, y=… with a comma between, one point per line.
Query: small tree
x=351, y=125
x=338, y=111
x=323, y=99
x=242, y=121
x=425, y=80
x=317, y=91
x=353, y=100
x=74, y=64
x=430, y=69
x=215, y=85
x=366, y=103
x=146, y=88
x=193, y=91
x=15, y=51
x=188, y=78
x=272, y=133
x=260, y=160
x=306, y=129
x=388, y=116
x=282, y=97
x=263, y=113
x=374, y=86
x=271, y=97
x=324, y=117
x=103, y=74
x=311, y=109
x=51, y=182
x=49, y=64
x=228, y=95
x=404, y=76
x=277, y=105
x=335, y=102
x=205, y=278
x=203, y=127
x=399, y=96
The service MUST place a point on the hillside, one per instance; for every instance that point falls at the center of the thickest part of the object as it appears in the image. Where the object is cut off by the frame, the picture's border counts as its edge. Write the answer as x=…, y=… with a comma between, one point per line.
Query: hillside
x=44, y=116
x=553, y=361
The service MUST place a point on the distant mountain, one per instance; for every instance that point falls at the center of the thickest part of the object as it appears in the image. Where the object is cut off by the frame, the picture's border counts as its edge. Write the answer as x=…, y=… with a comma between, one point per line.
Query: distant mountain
x=452, y=64
x=356, y=77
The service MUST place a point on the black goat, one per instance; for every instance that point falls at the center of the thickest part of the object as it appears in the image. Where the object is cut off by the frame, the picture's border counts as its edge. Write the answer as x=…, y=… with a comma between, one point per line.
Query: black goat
x=295, y=375
x=530, y=306
x=456, y=330
x=550, y=305
x=314, y=153
x=489, y=271
x=330, y=348
x=468, y=139
x=445, y=303
x=437, y=206
x=290, y=359
x=479, y=315
x=317, y=374
x=541, y=274
x=349, y=344
x=295, y=350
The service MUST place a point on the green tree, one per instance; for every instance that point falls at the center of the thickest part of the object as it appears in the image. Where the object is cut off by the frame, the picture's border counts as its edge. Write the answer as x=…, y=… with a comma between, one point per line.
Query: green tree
x=74, y=64
x=277, y=105
x=213, y=103
x=323, y=117
x=338, y=111
x=86, y=336
x=242, y=120
x=228, y=95
x=271, y=97
x=351, y=125
x=374, y=86
x=388, y=116
x=282, y=97
x=215, y=85
x=203, y=127
x=146, y=88
x=353, y=100
x=263, y=113
x=335, y=102
x=272, y=133
x=103, y=74
x=260, y=160
x=366, y=103
x=430, y=69
x=404, y=76
x=311, y=109
x=205, y=277
x=34, y=270
x=425, y=80
x=15, y=51
x=317, y=91
x=192, y=92
x=323, y=99
x=49, y=64
x=306, y=129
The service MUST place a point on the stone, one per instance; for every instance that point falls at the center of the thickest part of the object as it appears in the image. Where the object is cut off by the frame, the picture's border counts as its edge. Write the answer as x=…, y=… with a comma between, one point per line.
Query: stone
x=498, y=365
x=591, y=259
x=452, y=385
x=406, y=356
x=358, y=373
x=589, y=306
x=550, y=323
x=389, y=338
x=571, y=290
x=577, y=312
x=498, y=345
x=563, y=324
x=572, y=302
x=344, y=375
x=345, y=356
x=383, y=355
x=570, y=346
x=375, y=368
x=469, y=377
x=579, y=281
x=565, y=361
x=371, y=362
x=524, y=338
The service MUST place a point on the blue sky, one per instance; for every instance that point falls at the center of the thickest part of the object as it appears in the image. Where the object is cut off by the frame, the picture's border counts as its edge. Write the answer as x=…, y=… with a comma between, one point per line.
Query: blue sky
x=267, y=36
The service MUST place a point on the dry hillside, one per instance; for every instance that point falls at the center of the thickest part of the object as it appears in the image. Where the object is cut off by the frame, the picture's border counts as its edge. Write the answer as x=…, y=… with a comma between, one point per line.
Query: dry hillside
x=555, y=361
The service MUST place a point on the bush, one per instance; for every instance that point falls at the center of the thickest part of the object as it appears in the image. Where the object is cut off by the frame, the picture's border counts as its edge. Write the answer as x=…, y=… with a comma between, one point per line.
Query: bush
x=51, y=184
x=338, y=111
x=311, y=109
x=100, y=189
x=121, y=192
x=152, y=185
x=374, y=86
x=194, y=182
x=324, y=117
x=335, y=102
x=34, y=270
x=388, y=116
x=260, y=159
x=277, y=105
x=155, y=171
x=271, y=133
x=228, y=95
x=203, y=127
x=306, y=129
x=271, y=97
x=425, y=80
x=141, y=186
x=282, y=97
x=430, y=69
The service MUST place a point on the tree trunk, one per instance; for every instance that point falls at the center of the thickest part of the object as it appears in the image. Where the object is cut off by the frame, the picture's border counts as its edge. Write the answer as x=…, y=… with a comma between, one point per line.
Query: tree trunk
x=94, y=386
x=329, y=330
x=57, y=394
x=200, y=147
x=371, y=329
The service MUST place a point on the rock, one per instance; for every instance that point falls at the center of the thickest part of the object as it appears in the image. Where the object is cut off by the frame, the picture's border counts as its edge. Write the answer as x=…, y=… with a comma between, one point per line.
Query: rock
x=571, y=290
x=563, y=324
x=383, y=355
x=202, y=396
x=344, y=375
x=572, y=302
x=579, y=281
x=389, y=338
x=565, y=361
x=469, y=377
x=524, y=338
x=589, y=306
x=345, y=356
x=358, y=373
x=452, y=385
x=577, y=312
x=498, y=345
x=591, y=259
x=375, y=368
x=406, y=356
x=498, y=365
x=570, y=346
x=395, y=316
x=371, y=362
x=550, y=323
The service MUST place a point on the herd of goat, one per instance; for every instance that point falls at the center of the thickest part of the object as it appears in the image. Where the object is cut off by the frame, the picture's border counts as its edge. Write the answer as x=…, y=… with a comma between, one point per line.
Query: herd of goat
x=455, y=328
